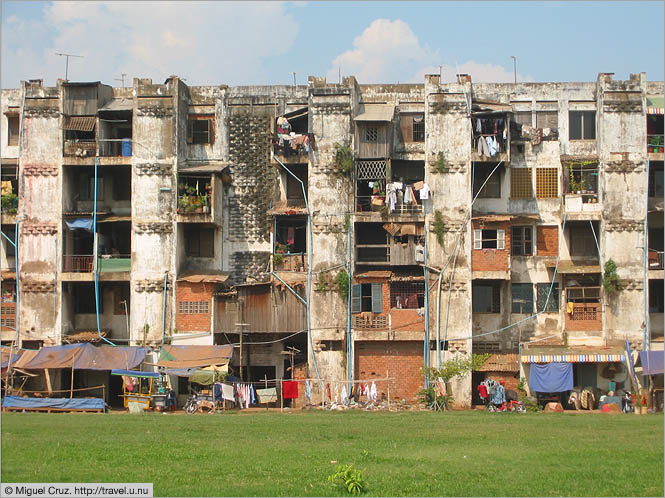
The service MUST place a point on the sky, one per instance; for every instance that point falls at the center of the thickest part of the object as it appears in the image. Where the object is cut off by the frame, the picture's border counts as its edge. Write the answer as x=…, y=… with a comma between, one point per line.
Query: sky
x=265, y=43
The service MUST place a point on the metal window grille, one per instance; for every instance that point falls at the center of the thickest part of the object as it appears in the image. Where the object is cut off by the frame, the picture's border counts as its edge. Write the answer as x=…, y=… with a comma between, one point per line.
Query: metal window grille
x=547, y=183
x=371, y=134
x=522, y=298
x=553, y=303
x=362, y=321
x=8, y=321
x=370, y=170
x=521, y=241
x=584, y=313
x=521, y=186
x=486, y=347
x=407, y=295
x=193, y=307
x=418, y=129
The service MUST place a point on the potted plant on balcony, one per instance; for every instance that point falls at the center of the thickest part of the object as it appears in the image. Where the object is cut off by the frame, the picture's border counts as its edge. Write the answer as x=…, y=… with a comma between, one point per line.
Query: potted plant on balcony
x=9, y=203
x=657, y=142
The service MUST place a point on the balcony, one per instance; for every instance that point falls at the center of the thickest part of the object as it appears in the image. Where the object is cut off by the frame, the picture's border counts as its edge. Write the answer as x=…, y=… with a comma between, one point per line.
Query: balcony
x=369, y=321
x=77, y=263
x=292, y=148
x=81, y=265
x=583, y=309
x=656, y=260
x=196, y=199
x=655, y=144
x=9, y=208
x=289, y=262
x=80, y=148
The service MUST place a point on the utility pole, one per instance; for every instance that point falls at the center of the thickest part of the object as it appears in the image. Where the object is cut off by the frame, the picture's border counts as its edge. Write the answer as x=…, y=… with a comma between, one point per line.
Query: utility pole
x=67, y=62
x=294, y=78
x=122, y=78
x=514, y=66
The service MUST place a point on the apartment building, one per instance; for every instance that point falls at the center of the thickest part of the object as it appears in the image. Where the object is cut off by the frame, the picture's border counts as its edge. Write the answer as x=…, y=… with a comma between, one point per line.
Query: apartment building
x=367, y=230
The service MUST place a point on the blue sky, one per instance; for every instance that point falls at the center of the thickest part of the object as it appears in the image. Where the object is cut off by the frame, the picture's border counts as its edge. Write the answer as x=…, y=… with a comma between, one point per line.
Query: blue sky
x=238, y=43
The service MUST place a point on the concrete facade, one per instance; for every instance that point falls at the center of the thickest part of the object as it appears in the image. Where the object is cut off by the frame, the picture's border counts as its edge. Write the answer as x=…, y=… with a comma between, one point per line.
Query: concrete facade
x=497, y=245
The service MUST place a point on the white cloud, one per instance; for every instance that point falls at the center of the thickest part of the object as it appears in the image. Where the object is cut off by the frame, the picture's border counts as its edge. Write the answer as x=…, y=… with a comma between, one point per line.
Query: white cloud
x=389, y=52
x=204, y=42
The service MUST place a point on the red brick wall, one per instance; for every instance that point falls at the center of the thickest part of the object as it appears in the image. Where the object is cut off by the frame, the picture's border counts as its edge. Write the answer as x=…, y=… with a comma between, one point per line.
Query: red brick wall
x=547, y=240
x=490, y=259
x=401, y=359
x=187, y=291
x=585, y=324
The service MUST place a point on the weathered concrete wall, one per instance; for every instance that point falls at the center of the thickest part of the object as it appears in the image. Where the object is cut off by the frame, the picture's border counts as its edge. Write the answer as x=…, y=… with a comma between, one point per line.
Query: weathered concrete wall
x=11, y=101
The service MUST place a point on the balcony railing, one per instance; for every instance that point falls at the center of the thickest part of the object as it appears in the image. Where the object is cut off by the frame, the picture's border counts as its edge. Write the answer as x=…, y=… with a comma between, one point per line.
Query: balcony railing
x=656, y=260
x=369, y=321
x=287, y=146
x=377, y=203
x=193, y=204
x=80, y=148
x=290, y=262
x=77, y=263
x=655, y=143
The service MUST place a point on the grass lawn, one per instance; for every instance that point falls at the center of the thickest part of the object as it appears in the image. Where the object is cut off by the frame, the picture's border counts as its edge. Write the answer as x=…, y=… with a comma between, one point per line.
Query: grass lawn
x=405, y=454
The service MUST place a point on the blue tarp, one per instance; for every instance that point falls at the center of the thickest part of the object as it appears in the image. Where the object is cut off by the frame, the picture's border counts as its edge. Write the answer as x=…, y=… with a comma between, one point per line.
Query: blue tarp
x=61, y=403
x=84, y=223
x=134, y=373
x=652, y=362
x=551, y=377
x=5, y=359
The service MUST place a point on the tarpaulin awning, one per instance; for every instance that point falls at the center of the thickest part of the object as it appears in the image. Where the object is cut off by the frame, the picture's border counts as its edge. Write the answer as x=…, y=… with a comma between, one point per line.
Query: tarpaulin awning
x=574, y=267
x=79, y=123
x=204, y=377
x=5, y=357
x=375, y=112
x=84, y=223
x=200, y=276
x=551, y=377
x=572, y=358
x=135, y=373
x=652, y=362
x=83, y=357
x=194, y=356
x=655, y=105
x=58, y=403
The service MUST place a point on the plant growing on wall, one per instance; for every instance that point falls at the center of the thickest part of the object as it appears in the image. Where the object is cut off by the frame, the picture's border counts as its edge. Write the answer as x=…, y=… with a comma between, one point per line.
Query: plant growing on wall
x=342, y=280
x=343, y=160
x=441, y=164
x=438, y=226
x=610, y=277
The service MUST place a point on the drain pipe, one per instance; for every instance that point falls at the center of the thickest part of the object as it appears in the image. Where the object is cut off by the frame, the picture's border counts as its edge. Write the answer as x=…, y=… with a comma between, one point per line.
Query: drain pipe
x=309, y=274
x=349, y=356
x=646, y=335
x=96, y=255
x=166, y=281
x=426, y=340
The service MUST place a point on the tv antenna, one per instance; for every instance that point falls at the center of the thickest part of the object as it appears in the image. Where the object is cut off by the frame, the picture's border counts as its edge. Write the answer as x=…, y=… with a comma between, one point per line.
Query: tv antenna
x=122, y=78
x=67, y=62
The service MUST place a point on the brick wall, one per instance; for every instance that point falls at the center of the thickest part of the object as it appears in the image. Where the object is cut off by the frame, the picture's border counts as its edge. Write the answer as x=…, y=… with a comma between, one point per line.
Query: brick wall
x=588, y=316
x=401, y=359
x=491, y=259
x=547, y=240
x=196, y=292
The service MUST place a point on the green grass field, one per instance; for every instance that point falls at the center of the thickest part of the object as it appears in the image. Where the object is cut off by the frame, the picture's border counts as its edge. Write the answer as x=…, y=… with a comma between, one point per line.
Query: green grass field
x=401, y=454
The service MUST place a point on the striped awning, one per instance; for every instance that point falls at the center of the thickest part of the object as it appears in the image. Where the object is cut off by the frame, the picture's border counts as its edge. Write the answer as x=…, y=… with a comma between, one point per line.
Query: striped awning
x=655, y=105
x=572, y=358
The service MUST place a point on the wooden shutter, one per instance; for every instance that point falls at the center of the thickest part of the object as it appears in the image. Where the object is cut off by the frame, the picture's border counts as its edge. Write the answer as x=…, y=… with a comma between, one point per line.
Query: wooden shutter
x=477, y=239
x=406, y=124
x=377, y=298
x=500, y=239
x=356, y=295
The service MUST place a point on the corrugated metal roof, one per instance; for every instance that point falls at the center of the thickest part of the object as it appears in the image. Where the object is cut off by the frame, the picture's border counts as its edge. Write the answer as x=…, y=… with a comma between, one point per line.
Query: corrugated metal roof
x=376, y=112
x=201, y=276
x=501, y=363
x=374, y=274
x=207, y=167
x=568, y=266
x=79, y=123
x=118, y=105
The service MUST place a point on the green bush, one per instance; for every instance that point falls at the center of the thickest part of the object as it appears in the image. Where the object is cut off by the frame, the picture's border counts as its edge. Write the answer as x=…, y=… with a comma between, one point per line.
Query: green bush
x=343, y=160
x=438, y=226
x=610, y=277
x=9, y=203
x=277, y=259
x=349, y=478
x=342, y=280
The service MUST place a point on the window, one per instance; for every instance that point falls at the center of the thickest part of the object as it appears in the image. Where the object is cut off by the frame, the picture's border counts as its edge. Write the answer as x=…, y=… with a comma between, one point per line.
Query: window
x=87, y=188
x=521, y=186
x=521, y=243
x=489, y=239
x=200, y=130
x=12, y=129
x=419, y=128
x=371, y=134
x=581, y=177
x=582, y=125
x=486, y=297
x=522, y=117
x=407, y=295
x=492, y=189
x=547, y=183
x=367, y=297
x=84, y=298
x=583, y=295
x=193, y=307
x=199, y=242
x=8, y=232
x=582, y=241
x=656, y=296
x=547, y=119
x=656, y=180
x=542, y=290
x=122, y=186
x=522, y=298
x=486, y=347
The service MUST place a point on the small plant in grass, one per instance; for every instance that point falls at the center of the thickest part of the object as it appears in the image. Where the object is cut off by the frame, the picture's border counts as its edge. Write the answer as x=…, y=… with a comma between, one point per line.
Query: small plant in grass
x=342, y=280
x=438, y=226
x=610, y=277
x=349, y=478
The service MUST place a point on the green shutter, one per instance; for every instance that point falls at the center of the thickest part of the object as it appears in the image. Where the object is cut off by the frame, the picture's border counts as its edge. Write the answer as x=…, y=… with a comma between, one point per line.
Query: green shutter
x=356, y=296
x=377, y=298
